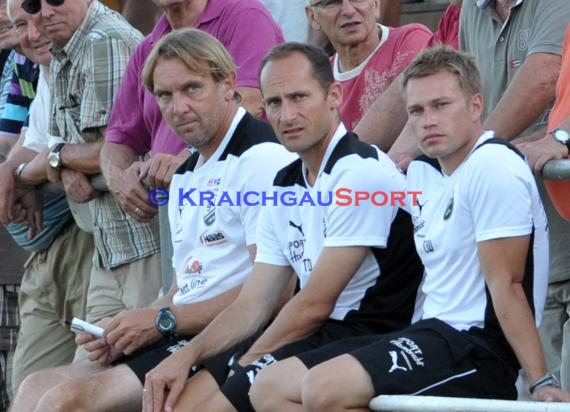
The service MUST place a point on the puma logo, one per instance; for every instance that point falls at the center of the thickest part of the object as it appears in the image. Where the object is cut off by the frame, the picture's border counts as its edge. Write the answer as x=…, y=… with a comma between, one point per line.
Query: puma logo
x=395, y=366
x=298, y=227
x=420, y=206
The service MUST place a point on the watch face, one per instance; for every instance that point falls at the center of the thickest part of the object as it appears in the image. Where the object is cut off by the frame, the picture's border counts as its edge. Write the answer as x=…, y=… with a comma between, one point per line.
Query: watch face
x=165, y=323
x=561, y=135
x=53, y=160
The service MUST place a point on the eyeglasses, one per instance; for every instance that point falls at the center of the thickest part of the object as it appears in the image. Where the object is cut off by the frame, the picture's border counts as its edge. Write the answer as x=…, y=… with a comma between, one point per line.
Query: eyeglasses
x=34, y=6
x=333, y=4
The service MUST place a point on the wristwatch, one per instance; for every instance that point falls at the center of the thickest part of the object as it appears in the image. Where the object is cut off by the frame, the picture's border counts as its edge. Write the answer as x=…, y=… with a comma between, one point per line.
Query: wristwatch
x=165, y=322
x=547, y=380
x=54, y=156
x=562, y=136
x=19, y=170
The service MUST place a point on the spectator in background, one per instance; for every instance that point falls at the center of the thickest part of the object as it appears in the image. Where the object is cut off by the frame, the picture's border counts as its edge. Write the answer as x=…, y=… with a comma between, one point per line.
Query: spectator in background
x=518, y=47
x=8, y=42
x=448, y=27
x=369, y=56
x=137, y=127
x=142, y=14
x=555, y=329
x=91, y=48
x=55, y=281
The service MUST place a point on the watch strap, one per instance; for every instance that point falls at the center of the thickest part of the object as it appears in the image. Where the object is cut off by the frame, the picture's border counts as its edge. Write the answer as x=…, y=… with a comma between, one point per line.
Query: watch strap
x=547, y=380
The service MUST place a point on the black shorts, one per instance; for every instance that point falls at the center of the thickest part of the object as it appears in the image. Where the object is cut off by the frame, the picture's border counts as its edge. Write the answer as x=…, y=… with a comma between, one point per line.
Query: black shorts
x=429, y=358
x=146, y=358
x=236, y=387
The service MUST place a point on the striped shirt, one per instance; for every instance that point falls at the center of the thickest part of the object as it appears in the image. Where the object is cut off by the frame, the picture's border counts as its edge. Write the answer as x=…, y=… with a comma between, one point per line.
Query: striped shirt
x=22, y=90
x=86, y=74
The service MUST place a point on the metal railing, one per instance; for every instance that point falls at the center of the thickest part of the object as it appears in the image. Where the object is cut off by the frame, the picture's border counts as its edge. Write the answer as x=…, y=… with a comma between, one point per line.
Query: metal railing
x=412, y=403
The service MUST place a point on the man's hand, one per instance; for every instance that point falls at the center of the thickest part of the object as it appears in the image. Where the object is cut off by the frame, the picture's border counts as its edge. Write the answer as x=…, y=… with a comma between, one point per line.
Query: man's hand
x=158, y=170
x=98, y=349
x=127, y=188
x=132, y=329
x=541, y=151
x=31, y=203
x=551, y=394
x=77, y=186
x=164, y=384
x=8, y=198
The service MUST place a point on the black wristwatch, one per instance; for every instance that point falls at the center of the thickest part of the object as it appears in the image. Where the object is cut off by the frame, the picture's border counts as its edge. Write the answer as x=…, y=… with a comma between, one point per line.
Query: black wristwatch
x=562, y=136
x=54, y=156
x=165, y=322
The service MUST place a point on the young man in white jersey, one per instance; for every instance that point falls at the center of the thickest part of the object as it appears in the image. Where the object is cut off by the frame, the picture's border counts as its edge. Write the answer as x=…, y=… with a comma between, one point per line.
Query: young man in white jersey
x=481, y=232
x=356, y=265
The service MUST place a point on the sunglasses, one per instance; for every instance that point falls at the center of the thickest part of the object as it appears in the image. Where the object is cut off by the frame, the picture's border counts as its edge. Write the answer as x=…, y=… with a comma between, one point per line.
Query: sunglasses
x=34, y=6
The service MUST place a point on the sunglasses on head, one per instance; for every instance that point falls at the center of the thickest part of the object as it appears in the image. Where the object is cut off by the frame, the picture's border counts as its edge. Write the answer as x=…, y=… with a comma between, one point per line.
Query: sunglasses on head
x=34, y=6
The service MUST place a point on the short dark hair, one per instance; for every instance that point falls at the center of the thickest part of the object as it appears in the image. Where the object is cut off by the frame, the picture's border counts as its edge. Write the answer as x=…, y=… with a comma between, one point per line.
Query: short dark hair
x=320, y=64
x=440, y=59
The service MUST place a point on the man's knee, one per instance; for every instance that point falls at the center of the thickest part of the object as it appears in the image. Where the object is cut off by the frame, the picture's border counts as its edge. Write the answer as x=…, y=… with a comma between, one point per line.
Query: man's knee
x=264, y=394
x=341, y=383
x=62, y=398
x=316, y=393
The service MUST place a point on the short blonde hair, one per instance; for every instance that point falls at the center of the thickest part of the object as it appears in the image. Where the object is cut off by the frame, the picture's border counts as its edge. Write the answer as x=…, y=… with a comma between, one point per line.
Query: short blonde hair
x=199, y=51
x=442, y=58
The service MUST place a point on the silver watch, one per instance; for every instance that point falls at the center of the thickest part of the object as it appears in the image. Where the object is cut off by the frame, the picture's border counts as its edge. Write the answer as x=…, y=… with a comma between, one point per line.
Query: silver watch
x=562, y=136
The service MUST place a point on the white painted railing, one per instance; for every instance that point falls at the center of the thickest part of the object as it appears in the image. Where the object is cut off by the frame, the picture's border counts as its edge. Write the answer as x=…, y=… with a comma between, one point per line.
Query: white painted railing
x=408, y=403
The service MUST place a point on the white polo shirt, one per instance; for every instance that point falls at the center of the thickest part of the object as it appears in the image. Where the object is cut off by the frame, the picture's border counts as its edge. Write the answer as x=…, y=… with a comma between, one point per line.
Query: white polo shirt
x=296, y=235
x=491, y=195
x=210, y=242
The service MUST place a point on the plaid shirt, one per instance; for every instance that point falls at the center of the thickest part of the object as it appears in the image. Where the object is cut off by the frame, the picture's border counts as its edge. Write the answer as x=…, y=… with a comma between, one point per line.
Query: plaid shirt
x=86, y=74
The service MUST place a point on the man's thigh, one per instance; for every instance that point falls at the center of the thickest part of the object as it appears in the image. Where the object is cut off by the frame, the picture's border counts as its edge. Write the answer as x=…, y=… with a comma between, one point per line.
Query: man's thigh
x=129, y=286
x=424, y=361
x=53, y=290
x=147, y=358
x=237, y=387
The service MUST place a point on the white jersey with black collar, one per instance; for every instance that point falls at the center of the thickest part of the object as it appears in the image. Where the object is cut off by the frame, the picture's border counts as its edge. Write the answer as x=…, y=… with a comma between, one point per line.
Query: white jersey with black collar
x=211, y=242
x=491, y=195
x=383, y=290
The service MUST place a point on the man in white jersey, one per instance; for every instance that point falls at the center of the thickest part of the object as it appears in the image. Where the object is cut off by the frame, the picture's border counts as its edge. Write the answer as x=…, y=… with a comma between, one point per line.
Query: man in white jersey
x=481, y=232
x=192, y=77
x=357, y=269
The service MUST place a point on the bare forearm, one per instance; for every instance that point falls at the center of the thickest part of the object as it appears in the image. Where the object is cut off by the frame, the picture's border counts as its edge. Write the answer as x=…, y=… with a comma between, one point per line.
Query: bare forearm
x=295, y=321
x=518, y=325
x=384, y=120
x=82, y=157
x=35, y=171
x=527, y=96
x=116, y=157
x=236, y=323
x=193, y=318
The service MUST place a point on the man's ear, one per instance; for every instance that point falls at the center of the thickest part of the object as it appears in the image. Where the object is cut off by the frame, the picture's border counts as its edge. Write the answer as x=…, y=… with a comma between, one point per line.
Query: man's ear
x=477, y=105
x=311, y=17
x=229, y=86
x=377, y=10
x=335, y=95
